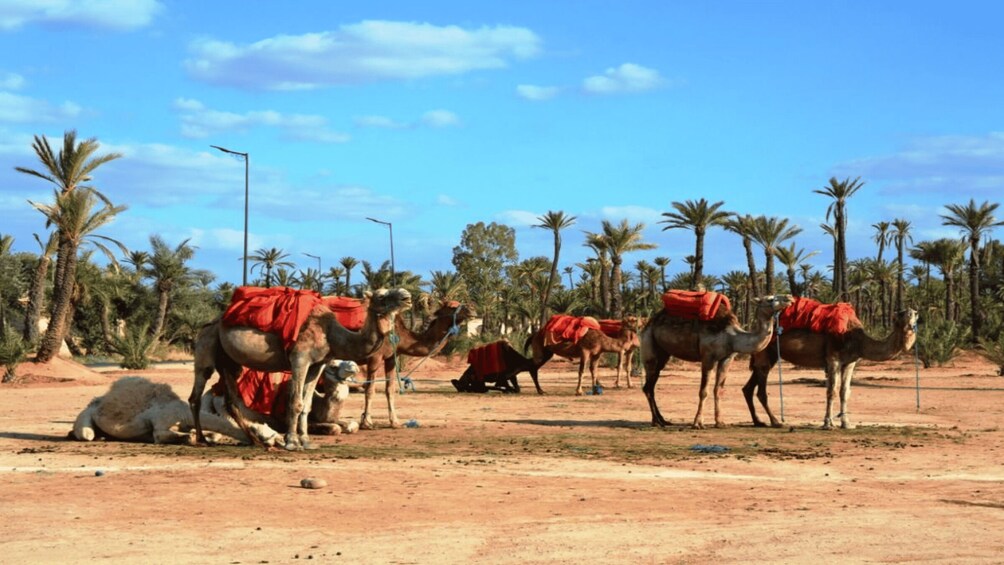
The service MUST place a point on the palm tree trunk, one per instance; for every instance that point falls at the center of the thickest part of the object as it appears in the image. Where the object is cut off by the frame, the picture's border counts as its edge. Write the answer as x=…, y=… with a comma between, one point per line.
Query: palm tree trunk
x=616, y=305
x=163, y=298
x=949, y=296
x=792, y=283
x=62, y=293
x=546, y=295
x=36, y=295
x=768, y=271
x=974, y=287
x=698, y=276
x=751, y=263
x=900, y=290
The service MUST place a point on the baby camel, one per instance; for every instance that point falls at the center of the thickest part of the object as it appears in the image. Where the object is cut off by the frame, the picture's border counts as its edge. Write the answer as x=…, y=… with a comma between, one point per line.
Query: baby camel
x=587, y=350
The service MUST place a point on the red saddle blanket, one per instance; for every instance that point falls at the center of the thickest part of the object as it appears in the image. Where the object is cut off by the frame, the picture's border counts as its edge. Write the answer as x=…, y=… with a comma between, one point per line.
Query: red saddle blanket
x=562, y=327
x=487, y=359
x=806, y=313
x=611, y=327
x=265, y=393
x=695, y=304
x=279, y=310
x=350, y=312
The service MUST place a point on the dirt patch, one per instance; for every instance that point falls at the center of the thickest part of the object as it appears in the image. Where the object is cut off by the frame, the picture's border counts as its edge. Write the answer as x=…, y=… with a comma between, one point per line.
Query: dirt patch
x=526, y=478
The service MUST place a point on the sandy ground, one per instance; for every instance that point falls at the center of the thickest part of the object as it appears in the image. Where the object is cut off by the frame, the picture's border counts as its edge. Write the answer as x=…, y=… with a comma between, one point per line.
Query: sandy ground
x=527, y=479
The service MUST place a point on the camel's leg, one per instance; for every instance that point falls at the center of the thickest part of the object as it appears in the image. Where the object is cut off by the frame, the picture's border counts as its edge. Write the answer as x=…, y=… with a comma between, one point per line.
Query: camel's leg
x=215, y=419
x=620, y=362
x=758, y=383
x=628, y=357
x=702, y=395
x=594, y=361
x=535, y=366
x=202, y=376
x=845, y=395
x=229, y=373
x=390, y=391
x=654, y=361
x=366, y=420
x=721, y=373
x=310, y=385
x=83, y=426
x=582, y=368
x=832, y=370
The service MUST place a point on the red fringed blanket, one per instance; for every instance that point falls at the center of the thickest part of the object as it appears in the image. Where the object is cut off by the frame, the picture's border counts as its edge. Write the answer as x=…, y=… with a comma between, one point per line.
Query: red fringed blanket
x=806, y=313
x=487, y=359
x=350, y=312
x=562, y=327
x=280, y=310
x=611, y=327
x=695, y=304
x=260, y=391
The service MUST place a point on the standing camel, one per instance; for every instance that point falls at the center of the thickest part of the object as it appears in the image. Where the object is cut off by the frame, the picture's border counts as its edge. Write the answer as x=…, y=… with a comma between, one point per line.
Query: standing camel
x=444, y=324
x=624, y=357
x=587, y=349
x=713, y=343
x=321, y=338
x=836, y=354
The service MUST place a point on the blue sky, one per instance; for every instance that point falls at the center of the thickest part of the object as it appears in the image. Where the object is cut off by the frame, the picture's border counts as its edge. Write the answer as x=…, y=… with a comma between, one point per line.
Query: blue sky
x=434, y=115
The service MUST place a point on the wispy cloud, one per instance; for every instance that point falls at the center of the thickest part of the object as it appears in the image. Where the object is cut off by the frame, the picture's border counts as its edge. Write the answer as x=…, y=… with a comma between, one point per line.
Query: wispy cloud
x=382, y=122
x=518, y=218
x=365, y=52
x=432, y=119
x=119, y=15
x=440, y=119
x=446, y=200
x=632, y=214
x=11, y=81
x=627, y=78
x=24, y=110
x=199, y=122
x=536, y=93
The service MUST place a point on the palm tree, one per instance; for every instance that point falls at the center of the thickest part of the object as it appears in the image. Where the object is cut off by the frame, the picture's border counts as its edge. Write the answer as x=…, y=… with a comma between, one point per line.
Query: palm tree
x=840, y=191
x=348, y=263
x=76, y=221
x=662, y=263
x=697, y=216
x=769, y=233
x=310, y=279
x=974, y=221
x=568, y=271
x=375, y=278
x=599, y=244
x=884, y=274
x=268, y=260
x=335, y=275
x=554, y=221
x=882, y=237
x=36, y=292
x=744, y=226
x=168, y=269
x=71, y=213
x=947, y=254
x=900, y=235
x=621, y=238
x=792, y=259
x=447, y=285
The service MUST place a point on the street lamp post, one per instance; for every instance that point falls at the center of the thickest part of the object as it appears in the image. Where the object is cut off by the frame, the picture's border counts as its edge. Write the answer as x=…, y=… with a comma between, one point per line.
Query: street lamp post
x=246, y=165
x=390, y=227
x=318, y=261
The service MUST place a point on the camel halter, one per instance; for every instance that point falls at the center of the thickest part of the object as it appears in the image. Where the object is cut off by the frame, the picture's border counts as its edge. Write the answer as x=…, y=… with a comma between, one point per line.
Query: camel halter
x=780, y=376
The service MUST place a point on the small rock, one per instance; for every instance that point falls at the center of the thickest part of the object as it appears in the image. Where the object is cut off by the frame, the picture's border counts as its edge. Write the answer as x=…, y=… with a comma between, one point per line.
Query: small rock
x=313, y=483
x=99, y=473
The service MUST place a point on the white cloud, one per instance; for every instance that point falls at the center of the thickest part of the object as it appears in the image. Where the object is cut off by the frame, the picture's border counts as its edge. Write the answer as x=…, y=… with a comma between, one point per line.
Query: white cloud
x=199, y=122
x=440, y=119
x=382, y=122
x=633, y=214
x=626, y=78
x=520, y=218
x=11, y=81
x=536, y=93
x=121, y=15
x=445, y=200
x=365, y=52
x=22, y=109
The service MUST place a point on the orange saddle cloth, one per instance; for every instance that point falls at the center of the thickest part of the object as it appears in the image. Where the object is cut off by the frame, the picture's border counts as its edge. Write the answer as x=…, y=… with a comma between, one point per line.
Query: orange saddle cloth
x=280, y=310
x=562, y=328
x=695, y=305
x=806, y=313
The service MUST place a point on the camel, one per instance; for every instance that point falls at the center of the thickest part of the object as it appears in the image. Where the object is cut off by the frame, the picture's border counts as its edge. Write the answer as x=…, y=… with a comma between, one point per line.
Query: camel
x=837, y=355
x=625, y=358
x=445, y=323
x=587, y=350
x=713, y=343
x=325, y=411
x=137, y=409
x=321, y=338
x=504, y=380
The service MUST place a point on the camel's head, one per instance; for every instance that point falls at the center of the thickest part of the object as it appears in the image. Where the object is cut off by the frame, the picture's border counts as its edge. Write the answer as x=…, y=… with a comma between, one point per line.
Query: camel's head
x=457, y=312
x=774, y=303
x=633, y=323
x=906, y=322
x=327, y=407
x=385, y=304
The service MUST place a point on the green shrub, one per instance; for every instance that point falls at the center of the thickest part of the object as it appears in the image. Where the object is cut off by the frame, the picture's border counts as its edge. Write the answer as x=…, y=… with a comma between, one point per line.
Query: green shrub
x=13, y=351
x=134, y=347
x=993, y=351
x=939, y=341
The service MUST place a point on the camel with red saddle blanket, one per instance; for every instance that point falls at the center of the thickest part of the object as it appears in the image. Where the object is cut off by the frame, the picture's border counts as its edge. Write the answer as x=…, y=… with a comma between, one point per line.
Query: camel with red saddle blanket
x=579, y=338
x=701, y=327
x=828, y=337
x=282, y=329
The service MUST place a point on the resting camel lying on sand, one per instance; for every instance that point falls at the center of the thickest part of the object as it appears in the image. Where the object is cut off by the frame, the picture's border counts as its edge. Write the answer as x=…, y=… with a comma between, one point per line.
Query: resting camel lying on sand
x=137, y=409
x=325, y=410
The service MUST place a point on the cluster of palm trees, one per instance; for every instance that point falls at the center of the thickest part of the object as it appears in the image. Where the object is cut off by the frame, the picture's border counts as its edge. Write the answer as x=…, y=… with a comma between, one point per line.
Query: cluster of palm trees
x=173, y=298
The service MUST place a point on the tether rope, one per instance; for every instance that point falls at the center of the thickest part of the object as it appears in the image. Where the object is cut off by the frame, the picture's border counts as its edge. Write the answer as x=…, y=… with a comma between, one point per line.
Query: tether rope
x=403, y=383
x=780, y=376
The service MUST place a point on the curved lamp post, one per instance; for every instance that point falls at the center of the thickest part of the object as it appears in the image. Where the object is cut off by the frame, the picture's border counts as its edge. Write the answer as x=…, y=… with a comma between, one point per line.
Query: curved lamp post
x=390, y=227
x=246, y=165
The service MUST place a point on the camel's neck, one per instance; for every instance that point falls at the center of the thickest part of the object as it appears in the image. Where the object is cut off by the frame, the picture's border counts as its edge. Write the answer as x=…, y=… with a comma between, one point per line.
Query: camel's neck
x=901, y=339
x=618, y=343
x=758, y=336
x=356, y=345
x=414, y=344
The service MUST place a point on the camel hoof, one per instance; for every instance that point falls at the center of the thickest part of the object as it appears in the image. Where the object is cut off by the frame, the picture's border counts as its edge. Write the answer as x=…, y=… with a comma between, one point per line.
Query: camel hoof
x=366, y=423
x=847, y=425
x=395, y=424
x=578, y=392
x=721, y=425
x=776, y=425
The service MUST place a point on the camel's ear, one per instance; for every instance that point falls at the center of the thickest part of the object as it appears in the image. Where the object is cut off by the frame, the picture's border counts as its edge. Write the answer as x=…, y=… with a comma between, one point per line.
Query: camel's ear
x=368, y=294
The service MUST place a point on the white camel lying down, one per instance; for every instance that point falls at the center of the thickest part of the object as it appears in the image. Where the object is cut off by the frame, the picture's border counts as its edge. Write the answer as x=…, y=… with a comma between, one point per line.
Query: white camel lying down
x=137, y=409
x=325, y=411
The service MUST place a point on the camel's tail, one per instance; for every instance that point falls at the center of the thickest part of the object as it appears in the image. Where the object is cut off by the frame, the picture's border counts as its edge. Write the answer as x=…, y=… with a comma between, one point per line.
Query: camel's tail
x=83, y=426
